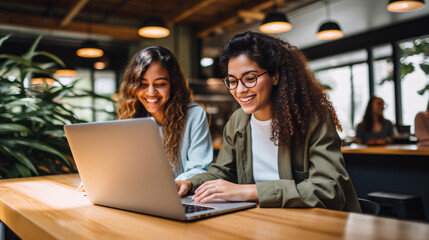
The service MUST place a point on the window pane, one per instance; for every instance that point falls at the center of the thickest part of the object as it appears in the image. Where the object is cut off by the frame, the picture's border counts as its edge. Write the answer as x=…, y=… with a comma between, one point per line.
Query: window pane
x=338, y=79
x=361, y=92
x=81, y=106
x=339, y=60
x=104, y=85
x=384, y=87
x=415, y=69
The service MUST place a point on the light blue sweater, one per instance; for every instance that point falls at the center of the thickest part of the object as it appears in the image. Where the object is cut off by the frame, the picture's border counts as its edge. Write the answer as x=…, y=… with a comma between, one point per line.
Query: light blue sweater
x=196, y=150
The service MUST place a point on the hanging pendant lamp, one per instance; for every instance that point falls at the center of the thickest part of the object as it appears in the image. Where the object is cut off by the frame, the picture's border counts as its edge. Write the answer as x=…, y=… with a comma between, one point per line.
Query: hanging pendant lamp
x=89, y=49
x=40, y=78
x=275, y=23
x=154, y=28
x=405, y=5
x=329, y=29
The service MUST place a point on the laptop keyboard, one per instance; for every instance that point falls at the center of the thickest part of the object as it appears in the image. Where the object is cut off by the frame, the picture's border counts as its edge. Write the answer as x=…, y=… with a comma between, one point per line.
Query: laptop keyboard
x=190, y=208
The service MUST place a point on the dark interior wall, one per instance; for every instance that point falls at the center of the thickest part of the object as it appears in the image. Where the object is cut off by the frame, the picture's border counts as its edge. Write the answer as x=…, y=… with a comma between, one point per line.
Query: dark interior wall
x=404, y=30
x=115, y=52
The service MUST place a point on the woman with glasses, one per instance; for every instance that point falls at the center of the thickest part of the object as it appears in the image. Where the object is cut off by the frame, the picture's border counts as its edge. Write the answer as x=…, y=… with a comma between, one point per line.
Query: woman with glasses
x=374, y=128
x=281, y=147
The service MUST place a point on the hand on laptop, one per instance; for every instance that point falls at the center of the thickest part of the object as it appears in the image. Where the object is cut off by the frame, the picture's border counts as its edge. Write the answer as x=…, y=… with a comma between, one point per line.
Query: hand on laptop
x=183, y=187
x=221, y=189
x=81, y=188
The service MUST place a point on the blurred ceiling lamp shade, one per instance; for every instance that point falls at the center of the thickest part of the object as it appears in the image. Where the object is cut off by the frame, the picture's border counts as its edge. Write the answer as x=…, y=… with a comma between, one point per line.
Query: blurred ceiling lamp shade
x=329, y=30
x=40, y=78
x=405, y=5
x=275, y=23
x=101, y=63
x=65, y=72
x=89, y=49
x=154, y=28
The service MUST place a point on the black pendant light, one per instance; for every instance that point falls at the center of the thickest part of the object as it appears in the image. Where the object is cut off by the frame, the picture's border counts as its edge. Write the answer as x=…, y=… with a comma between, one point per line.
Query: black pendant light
x=42, y=78
x=275, y=23
x=405, y=5
x=329, y=29
x=154, y=28
x=89, y=49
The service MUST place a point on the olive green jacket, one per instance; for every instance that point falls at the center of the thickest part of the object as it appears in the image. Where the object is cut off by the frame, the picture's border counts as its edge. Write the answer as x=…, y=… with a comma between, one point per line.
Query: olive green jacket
x=312, y=174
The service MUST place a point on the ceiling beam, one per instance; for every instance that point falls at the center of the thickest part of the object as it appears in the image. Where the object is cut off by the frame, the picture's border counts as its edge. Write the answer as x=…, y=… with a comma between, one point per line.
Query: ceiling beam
x=73, y=12
x=234, y=17
x=32, y=21
x=190, y=9
x=252, y=15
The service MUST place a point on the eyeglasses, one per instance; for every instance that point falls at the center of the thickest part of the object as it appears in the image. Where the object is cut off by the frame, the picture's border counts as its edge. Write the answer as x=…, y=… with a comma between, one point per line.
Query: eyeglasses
x=249, y=80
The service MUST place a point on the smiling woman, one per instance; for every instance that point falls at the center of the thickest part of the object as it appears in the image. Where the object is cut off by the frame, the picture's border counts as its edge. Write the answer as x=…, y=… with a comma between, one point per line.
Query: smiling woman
x=154, y=85
x=281, y=148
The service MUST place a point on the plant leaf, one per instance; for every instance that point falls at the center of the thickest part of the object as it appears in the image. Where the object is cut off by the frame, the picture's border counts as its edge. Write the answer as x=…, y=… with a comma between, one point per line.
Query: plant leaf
x=21, y=157
x=51, y=56
x=13, y=127
x=33, y=47
x=40, y=146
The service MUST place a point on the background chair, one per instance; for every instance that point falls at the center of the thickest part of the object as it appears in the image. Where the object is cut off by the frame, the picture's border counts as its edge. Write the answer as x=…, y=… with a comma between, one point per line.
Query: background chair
x=369, y=207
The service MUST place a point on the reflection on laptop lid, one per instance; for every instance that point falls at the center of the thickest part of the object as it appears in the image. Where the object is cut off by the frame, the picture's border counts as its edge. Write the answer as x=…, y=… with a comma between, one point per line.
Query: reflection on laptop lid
x=123, y=165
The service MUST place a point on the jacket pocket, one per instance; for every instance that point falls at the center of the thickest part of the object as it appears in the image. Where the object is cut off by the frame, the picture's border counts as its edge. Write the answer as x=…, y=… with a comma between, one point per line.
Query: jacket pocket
x=299, y=176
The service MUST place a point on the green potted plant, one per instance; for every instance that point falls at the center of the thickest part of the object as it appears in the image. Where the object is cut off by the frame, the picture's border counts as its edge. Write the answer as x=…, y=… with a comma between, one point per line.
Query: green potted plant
x=32, y=139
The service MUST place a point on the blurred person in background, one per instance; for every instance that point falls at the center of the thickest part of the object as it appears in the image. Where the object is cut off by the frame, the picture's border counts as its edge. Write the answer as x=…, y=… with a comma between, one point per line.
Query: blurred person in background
x=421, y=124
x=374, y=128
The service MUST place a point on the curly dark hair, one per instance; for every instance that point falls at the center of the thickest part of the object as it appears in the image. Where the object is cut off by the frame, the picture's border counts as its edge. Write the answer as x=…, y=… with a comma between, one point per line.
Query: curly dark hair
x=368, y=118
x=297, y=96
x=176, y=106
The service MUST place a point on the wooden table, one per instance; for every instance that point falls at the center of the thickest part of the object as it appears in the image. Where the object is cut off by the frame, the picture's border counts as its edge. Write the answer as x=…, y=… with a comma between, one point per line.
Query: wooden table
x=394, y=149
x=50, y=208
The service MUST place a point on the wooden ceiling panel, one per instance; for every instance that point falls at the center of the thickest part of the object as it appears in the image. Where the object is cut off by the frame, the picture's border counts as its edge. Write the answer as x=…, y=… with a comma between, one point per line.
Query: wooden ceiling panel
x=205, y=16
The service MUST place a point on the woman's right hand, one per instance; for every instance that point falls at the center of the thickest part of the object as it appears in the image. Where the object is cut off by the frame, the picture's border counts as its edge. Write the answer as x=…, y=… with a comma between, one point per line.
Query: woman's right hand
x=183, y=187
x=81, y=188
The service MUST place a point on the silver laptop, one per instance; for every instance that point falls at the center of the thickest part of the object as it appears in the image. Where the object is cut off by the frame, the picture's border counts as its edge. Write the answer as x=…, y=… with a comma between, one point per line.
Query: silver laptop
x=123, y=165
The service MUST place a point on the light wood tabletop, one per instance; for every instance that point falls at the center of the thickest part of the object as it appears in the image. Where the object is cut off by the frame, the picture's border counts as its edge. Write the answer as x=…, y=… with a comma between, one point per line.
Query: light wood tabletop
x=394, y=149
x=49, y=208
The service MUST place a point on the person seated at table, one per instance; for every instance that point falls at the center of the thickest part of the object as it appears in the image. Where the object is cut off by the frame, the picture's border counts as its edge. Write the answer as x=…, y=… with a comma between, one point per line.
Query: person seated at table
x=281, y=148
x=421, y=127
x=154, y=85
x=374, y=128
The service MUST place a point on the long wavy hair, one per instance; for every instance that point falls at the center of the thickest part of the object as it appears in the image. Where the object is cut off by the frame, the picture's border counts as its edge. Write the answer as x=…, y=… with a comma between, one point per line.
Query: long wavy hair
x=296, y=97
x=176, y=106
x=368, y=118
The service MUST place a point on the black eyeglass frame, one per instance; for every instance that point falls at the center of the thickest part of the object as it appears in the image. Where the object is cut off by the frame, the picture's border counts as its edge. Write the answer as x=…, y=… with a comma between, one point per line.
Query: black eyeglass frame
x=240, y=79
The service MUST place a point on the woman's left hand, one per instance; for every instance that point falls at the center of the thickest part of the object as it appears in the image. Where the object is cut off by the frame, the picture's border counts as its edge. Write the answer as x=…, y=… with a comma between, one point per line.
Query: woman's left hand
x=221, y=189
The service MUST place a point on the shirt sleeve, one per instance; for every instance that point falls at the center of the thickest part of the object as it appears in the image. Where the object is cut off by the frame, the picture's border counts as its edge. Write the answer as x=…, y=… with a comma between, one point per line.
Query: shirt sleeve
x=224, y=167
x=199, y=154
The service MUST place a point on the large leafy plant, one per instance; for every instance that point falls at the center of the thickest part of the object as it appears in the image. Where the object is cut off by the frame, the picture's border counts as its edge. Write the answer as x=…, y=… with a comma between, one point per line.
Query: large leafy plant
x=417, y=48
x=32, y=140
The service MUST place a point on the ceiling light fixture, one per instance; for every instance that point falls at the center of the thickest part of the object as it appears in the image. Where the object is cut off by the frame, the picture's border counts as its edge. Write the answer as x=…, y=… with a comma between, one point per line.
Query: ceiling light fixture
x=275, y=23
x=154, y=28
x=329, y=29
x=89, y=49
x=40, y=78
x=405, y=5
x=65, y=72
